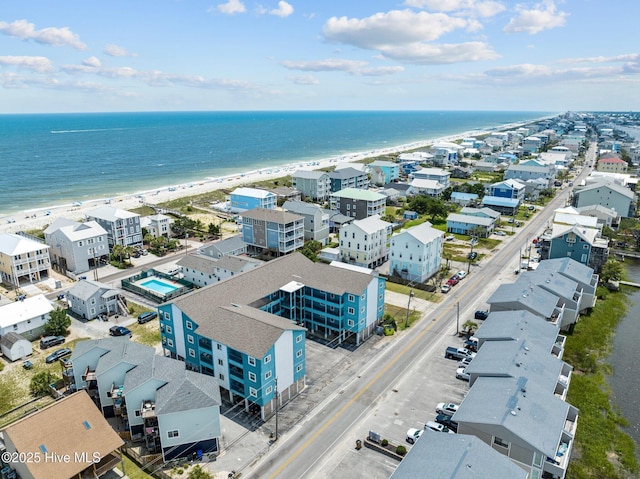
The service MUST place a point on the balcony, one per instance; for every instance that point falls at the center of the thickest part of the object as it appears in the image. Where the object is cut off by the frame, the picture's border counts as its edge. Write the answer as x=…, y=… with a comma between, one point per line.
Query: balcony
x=148, y=409
x=89, y=374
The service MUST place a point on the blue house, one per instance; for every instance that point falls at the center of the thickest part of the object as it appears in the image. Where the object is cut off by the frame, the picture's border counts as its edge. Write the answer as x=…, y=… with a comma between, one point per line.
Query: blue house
x=385, y=171
x=250, y=328
x=463, y=198
x=470, y=225
x=505, y=206
x=244, y=199
x=507, y=189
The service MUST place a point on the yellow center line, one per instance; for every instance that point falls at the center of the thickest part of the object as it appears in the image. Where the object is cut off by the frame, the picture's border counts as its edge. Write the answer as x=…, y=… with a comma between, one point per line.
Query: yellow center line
x=363, y=390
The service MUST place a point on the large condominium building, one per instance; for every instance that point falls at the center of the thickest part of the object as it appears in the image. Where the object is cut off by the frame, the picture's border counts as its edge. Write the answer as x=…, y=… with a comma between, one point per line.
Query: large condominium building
x=358, y=203
x=250, y=329
x=123, y=227
x=272, y=230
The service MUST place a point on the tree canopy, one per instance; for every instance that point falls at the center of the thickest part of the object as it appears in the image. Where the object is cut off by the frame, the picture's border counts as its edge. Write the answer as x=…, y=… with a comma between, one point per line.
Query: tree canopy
x=58, y=323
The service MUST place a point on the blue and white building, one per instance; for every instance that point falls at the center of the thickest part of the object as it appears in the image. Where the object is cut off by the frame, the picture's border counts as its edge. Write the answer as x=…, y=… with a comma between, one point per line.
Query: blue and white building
x=384, y=171
x=244, y=199
x=249, y=330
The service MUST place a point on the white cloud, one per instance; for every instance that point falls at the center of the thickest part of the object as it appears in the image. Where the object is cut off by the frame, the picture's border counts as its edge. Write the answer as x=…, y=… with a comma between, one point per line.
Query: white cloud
x=232, y=7
x=57, y=37
x=440, y=54
x=487, y=8
x=544, y=16
x=117, y=51
x=328, y=65
x=627, y=57
x=353, y=67
x=303, y=80
x=35, y=64
x=92, y=62
x=391, y=28
x=284, y=9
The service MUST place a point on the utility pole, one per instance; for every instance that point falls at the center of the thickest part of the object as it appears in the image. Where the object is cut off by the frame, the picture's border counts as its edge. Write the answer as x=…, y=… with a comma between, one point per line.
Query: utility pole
x=458, y=317
x=277, y=407
x=406, y=321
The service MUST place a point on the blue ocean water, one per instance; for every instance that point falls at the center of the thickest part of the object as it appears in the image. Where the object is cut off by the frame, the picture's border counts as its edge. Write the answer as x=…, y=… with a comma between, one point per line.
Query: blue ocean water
x=53, y=159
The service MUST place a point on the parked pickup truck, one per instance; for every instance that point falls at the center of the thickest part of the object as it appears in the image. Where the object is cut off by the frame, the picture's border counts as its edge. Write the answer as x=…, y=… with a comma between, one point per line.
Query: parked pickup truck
x=458, y=353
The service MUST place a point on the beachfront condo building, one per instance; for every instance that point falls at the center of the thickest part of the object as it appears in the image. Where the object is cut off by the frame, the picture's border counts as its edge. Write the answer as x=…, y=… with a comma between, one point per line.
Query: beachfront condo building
x=384, y=172
x=416, y=252
x=22, y=260
x=250, y=329
x=365, y=242
x=122, y=226
x=357, y=203
x=314, y=185
x=272, y=231
x=76, y=247
x=244, y=199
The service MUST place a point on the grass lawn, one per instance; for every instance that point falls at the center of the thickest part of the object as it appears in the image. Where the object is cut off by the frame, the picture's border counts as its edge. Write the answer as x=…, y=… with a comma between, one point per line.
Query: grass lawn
x=399, y=314
x=417, y=293
x=148, y=333
x=132, y=470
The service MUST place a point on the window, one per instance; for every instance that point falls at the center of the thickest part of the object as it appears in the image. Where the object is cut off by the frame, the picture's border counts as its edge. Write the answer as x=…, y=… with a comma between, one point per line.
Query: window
x=269, y=390
x=219, y=347
x=221, y=376
x=192, y=353
x=174, y=433
x=351, y=310
x=189, y=339
x=299, y=353
x=299, y=368
x=189, y=325
x=499, y=442
x=350, y=322
x=267, y=359
x=169, y=331
x=252, y=377
x=220, y=362
x=351, y=298
x=298, y=338
x=267, y=375
x=137, y=412
x=252, y=361
x=170, y=343
x=167, y=316
x=537, y=459
x=253, y=392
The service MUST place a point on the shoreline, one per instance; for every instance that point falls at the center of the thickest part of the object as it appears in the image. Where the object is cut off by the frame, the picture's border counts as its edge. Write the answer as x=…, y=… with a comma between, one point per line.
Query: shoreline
x=37, y=218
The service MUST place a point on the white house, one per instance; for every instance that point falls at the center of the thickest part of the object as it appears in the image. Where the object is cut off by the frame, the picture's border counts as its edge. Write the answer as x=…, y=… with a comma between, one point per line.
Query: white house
x=425, y=187
x=365, y=242
x=437, y=174
x=26, y=317
x=416, y=252
x=157, y=225
x=76, y=247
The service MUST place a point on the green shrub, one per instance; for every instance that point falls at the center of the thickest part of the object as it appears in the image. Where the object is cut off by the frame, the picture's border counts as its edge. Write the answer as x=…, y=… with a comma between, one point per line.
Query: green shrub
x=401, y=450
x=384, y=443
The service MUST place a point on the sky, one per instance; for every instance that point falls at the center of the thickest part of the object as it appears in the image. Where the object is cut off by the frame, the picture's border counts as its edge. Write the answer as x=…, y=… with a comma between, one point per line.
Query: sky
x=170, y=55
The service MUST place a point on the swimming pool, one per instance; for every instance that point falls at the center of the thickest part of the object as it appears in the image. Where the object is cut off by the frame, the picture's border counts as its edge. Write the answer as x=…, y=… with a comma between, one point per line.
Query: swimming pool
x=159, y=286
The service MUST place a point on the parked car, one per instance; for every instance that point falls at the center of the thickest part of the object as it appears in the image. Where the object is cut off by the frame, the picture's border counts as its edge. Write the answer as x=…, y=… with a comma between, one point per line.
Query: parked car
x=447, y=408
x=413, y=435
x=454, y=280
x=481, y=314
x=27, y=364
x=500, y=233
x=471, y=344
x=446, y=421
x=531, y=207
x=463, y=363
x=450, y=238
x=461, y=274
x=445, y=288
x=147, y=316
x=49, y=341
x=119, y=331
x=57, y=354
x=437, y=427
x=462, y=374
x=458, y=353
x=473, y=255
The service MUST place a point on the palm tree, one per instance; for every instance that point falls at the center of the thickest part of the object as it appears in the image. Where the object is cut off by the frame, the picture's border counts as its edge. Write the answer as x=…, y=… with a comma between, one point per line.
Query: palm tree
x=128, y=251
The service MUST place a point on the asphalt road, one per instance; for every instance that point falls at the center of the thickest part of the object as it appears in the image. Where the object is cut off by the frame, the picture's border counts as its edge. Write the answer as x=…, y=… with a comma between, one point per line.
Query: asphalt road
x=318, y=445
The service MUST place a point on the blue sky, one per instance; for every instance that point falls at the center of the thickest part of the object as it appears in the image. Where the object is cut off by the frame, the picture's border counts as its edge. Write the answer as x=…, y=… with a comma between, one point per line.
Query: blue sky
x=142, y=55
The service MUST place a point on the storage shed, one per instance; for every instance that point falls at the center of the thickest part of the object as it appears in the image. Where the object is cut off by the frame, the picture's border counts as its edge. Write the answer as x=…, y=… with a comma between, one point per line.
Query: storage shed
x=15, y=347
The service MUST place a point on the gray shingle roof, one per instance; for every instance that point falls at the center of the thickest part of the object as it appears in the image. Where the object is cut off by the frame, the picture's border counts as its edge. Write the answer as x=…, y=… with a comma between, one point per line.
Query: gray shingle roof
x=512, y=325
x=535, y=416
x=455, y=456
x=555, y=283
x=10, y=338
x=518, y=358
x=344, y=173
x=227, y=245
x=534, y=298
x=301, y=207
x=309, y=174
x=123, y=350
x=86, y=288
x=568, y=267
x=236, y=263
x=277, y=216
x=198, y=262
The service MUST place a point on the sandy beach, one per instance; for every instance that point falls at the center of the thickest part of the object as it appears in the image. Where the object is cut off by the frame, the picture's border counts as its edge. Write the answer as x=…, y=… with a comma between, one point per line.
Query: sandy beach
x=40, y=218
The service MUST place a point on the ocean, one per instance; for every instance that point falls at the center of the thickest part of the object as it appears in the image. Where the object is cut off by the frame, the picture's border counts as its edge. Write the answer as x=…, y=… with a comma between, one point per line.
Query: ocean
x=55, y=159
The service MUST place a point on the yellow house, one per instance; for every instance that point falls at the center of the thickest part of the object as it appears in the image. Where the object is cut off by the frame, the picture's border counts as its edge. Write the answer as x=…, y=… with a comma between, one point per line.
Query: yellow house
x=22, y=260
